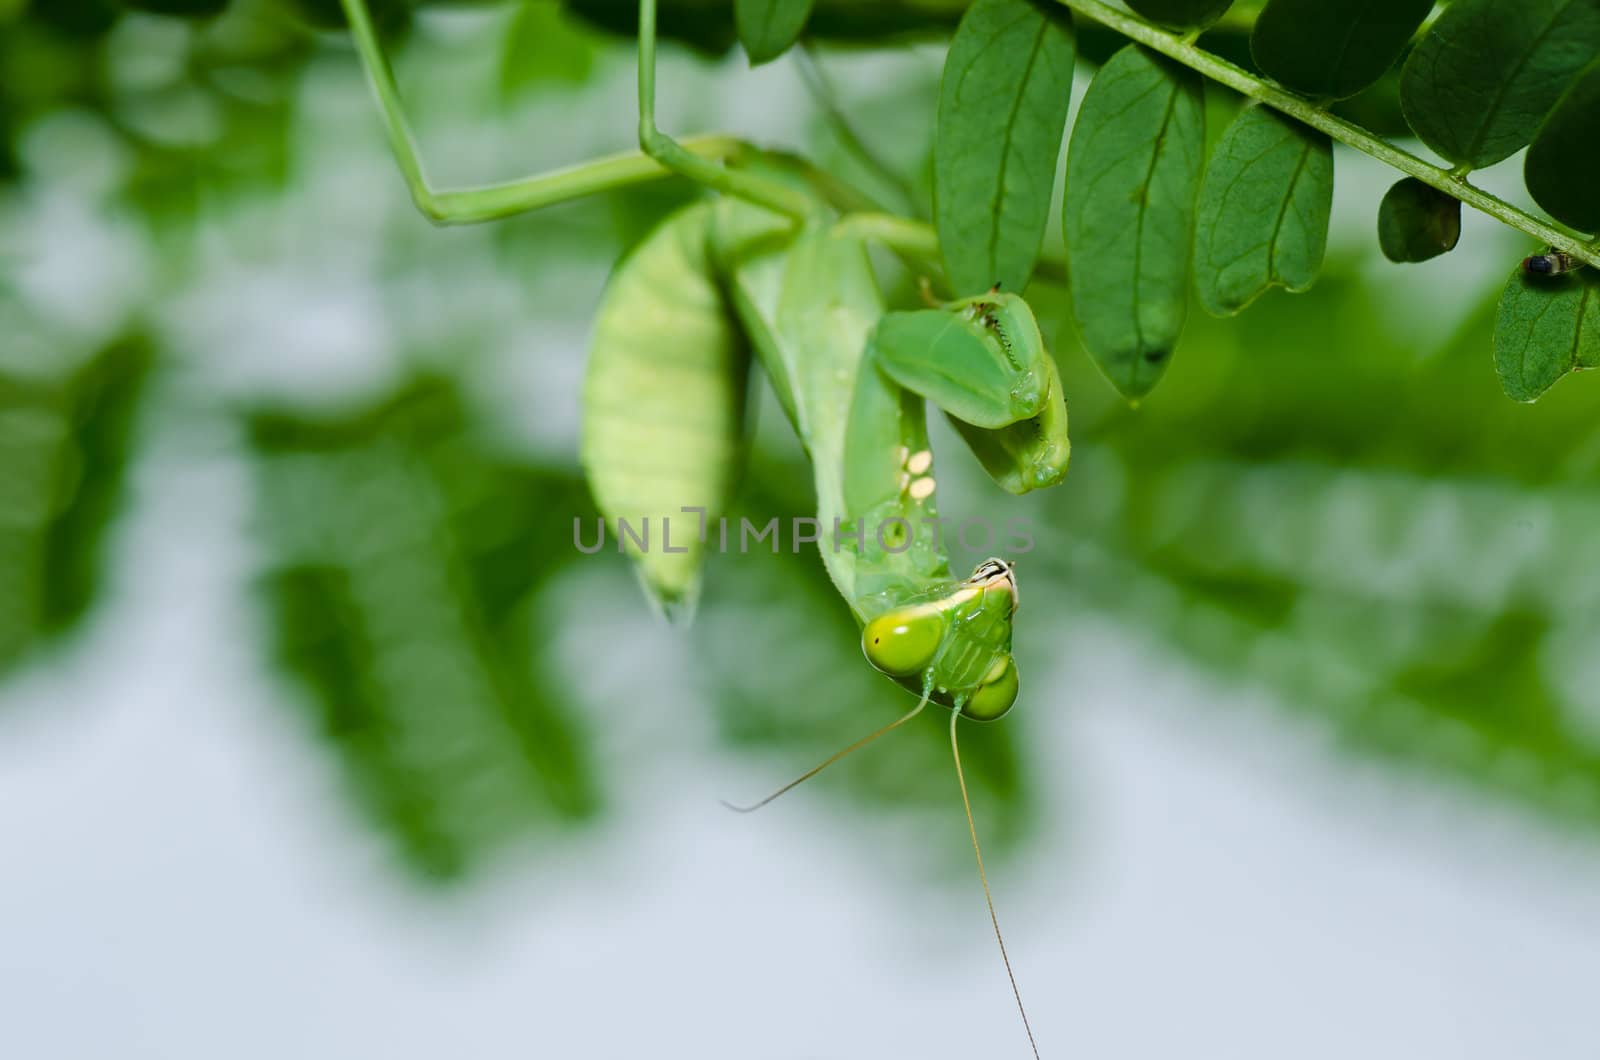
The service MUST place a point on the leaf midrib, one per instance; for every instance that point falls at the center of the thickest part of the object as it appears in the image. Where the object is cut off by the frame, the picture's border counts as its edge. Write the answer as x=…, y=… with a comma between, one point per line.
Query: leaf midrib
x=1283, y=210
x=1476, y=143
x=1144, y=208
x=997, y=193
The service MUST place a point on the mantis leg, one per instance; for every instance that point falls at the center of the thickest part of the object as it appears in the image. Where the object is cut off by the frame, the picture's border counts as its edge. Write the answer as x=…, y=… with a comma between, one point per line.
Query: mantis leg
x=984, y=363
x=678, y=158
x=496, y=201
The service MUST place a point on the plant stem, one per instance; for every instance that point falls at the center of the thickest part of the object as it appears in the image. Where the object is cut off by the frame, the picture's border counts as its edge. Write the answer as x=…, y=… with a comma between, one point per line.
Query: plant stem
x=1177, y=48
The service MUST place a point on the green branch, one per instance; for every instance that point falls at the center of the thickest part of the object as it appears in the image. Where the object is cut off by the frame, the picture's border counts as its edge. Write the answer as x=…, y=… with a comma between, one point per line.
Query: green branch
x=1183, y=50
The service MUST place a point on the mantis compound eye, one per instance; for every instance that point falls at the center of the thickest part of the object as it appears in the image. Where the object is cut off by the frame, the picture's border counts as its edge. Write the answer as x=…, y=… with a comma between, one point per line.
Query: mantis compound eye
x=994, y=697
x=903, y=643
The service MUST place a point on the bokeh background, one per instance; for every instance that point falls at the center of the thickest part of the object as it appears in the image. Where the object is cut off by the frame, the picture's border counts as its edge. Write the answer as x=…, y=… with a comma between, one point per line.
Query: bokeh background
x=318, y=738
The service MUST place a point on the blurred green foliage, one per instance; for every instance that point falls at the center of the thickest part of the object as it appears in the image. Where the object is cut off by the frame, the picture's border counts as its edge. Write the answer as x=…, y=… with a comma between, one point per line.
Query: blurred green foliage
x=65, y=433
x=1370, y=531
x=404, y=567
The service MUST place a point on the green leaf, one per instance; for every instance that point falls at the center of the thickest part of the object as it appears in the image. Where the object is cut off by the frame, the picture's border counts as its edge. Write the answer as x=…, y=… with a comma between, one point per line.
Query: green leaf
x=1133, y=170
x=1480, y=82
x=1545, y=328
x=1002, y=112
x=542, y=45
x=1332, y=49
x=1263, y=213
x=66, y=435
x=1181, y=14
x=1565, y=156
x=1417, y=222
x=767, y=28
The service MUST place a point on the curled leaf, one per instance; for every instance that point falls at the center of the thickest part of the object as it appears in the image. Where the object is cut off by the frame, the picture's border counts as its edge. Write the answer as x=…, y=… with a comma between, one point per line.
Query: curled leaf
x=1417, y=222
x=1133, y=170
x=1263, y=214
x=1546, y=327
x=1480, y=82
x=1002, y=111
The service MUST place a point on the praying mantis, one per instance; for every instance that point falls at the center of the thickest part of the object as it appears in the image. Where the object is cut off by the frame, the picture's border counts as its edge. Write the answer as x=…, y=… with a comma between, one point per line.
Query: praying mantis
x=775, y=263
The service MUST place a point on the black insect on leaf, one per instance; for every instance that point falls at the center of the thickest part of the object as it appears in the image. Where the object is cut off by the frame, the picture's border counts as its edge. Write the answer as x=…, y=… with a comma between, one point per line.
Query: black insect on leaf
x=1002, y=113
x=1332, y=49
x=1563, y=165
x=1480, y=82
x=1418, y=222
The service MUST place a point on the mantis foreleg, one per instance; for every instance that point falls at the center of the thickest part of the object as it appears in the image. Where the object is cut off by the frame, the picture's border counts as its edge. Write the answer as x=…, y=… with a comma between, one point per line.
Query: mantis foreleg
x=984, y=363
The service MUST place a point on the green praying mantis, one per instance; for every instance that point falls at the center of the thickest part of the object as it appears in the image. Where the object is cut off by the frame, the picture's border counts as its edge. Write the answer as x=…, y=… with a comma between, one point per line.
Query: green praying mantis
x=775, y=263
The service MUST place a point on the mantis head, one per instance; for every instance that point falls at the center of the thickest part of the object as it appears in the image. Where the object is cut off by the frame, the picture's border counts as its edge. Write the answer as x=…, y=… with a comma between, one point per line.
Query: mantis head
x=954, y=646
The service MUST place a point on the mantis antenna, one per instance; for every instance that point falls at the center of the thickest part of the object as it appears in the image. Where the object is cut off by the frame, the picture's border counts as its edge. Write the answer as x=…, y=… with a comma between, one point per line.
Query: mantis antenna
x=983, y=878
x=927, y=690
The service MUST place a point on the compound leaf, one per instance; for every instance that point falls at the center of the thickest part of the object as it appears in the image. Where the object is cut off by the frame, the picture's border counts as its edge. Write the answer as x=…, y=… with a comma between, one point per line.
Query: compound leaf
x=1133, y=170
x=1002, y=111
x=1263, y=212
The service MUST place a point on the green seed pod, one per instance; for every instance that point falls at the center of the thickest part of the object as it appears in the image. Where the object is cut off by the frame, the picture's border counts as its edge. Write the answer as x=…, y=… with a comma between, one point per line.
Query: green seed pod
x=663, y=405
